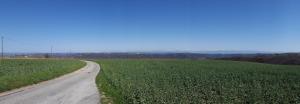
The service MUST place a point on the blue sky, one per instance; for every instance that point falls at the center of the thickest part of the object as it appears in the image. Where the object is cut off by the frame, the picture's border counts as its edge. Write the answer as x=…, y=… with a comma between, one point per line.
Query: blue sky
x=150, y=25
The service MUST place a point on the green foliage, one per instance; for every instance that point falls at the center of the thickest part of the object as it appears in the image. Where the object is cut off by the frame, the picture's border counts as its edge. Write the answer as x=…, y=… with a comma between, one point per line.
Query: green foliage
x=198, y=82
x=16, y=73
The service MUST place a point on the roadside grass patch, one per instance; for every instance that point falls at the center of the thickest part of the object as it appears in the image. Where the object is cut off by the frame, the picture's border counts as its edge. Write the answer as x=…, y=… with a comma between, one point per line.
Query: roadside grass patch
x=15, y=73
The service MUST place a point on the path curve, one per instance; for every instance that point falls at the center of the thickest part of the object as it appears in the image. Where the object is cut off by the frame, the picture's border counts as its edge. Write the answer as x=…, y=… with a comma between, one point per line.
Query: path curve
x=78, y=87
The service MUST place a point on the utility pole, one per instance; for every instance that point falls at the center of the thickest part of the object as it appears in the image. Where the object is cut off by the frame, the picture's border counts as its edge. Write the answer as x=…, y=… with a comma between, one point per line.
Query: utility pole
x=70, y=53
x=2, y=47
x=51, y=51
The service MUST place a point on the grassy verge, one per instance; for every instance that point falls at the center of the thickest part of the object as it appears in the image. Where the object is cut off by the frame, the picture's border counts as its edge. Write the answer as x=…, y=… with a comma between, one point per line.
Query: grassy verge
x=15, y=73
x=197, y=82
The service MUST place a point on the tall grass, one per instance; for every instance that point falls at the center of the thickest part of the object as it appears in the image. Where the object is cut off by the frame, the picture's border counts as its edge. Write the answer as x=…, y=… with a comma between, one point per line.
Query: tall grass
x=16, y=73
x=198, y=82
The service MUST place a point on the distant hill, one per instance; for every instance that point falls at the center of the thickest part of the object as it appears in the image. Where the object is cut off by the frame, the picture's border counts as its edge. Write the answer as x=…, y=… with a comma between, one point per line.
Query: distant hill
x=284, y=58
x=272, y=58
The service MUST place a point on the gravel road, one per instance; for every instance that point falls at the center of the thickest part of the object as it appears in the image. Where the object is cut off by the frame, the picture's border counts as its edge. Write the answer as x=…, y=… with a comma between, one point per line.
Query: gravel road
x=75, y=88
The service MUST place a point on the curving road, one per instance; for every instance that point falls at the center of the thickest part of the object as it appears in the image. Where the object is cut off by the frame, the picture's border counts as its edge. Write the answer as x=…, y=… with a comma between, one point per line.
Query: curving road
x=75, y=88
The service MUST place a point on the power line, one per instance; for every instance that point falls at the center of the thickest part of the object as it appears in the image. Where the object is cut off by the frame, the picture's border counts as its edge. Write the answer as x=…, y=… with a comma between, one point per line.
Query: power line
x=26, y=44
x=23, y=46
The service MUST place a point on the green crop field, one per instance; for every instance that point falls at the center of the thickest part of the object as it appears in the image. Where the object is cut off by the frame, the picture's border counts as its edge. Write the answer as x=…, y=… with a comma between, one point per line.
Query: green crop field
x=16, y=73
x=157, y=81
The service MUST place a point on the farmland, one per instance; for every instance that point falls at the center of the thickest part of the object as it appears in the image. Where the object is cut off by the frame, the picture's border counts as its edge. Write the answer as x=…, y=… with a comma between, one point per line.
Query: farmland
x=156, y=81
x=15, y=73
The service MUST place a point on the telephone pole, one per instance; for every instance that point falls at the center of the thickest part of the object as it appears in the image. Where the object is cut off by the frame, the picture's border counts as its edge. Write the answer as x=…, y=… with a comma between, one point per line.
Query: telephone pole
x=2, y=47
x=51, y=51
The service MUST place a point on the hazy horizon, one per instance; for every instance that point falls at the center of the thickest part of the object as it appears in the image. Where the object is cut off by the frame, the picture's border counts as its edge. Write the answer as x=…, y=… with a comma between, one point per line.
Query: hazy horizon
x=150, y=25
x=158, y=52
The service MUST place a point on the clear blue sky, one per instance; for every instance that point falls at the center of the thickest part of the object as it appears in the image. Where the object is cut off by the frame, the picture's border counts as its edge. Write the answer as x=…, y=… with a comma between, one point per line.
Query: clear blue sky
x=150, y=25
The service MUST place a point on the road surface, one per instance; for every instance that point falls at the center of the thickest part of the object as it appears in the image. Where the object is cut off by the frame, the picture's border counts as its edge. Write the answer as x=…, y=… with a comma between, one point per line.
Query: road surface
x=76, y=88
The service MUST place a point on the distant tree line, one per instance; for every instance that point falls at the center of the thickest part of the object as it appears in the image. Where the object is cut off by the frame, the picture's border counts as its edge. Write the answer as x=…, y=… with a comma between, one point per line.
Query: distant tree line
x=285, y=59
x=156, y=55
